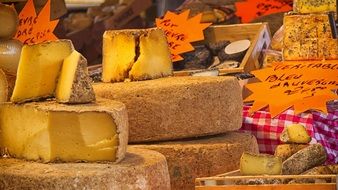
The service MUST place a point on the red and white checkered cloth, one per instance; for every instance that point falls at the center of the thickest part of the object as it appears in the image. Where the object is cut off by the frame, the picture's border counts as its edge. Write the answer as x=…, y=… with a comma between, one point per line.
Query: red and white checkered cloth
x=323, y=128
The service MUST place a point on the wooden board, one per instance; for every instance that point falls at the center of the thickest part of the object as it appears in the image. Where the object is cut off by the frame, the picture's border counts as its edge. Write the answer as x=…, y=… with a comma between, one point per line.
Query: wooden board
x=259, y=35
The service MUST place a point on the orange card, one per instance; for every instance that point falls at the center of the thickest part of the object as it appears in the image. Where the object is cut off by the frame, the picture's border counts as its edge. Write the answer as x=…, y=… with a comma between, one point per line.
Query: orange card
x=181, y=31
x=35, y=28
x=248, y=10
x=304, y=85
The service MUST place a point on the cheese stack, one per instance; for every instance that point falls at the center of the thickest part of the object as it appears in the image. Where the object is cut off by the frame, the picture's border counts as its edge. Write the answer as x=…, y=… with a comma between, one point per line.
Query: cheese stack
x=54, y=118
x=307, y=33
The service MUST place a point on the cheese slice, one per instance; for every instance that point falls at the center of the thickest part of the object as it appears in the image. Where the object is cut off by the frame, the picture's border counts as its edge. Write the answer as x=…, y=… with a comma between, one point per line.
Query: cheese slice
x=74, y=84
x=295, y=133
x=260, y=164
x=135, y=54
x=48, y=131
x=154, y=60
x=314, y=6
x=118, y=55
x=39, y=68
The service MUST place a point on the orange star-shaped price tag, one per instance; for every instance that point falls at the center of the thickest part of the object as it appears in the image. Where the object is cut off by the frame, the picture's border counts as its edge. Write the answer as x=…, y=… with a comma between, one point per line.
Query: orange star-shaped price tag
x=35, y=28
x=181, y=31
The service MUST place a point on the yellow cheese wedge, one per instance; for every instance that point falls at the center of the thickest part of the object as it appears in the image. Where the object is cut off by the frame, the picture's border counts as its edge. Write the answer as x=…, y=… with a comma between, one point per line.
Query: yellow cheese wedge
x=48, y=131
x=118, y=55
x=314, y=6
x=74, y=84
x=39, y=68
x=154, y=60
x=260, y=164
x=295, y=133
x=137, y=54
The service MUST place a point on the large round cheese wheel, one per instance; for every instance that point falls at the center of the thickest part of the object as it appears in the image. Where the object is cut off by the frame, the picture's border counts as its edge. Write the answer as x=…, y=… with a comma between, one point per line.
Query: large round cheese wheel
x=177, y=107
x=203, y=157
x=141, y=169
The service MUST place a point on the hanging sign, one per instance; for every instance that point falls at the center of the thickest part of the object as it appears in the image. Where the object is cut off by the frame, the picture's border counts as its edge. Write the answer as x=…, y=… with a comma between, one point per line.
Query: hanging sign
x=181, y=31
x=304, y=85
x=35, y=28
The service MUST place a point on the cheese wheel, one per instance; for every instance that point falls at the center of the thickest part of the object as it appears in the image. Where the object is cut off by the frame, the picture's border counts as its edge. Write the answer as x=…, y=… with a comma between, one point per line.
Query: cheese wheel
x=141, y=169
x=177, y=107
x=203, y=157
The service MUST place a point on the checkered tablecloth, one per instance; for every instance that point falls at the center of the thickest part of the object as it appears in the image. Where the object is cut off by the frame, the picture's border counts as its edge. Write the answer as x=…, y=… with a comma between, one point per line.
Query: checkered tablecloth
x=323, y=128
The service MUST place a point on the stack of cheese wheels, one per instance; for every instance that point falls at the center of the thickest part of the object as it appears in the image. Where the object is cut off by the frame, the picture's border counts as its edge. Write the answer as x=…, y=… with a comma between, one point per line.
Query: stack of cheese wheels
x=55, y=134
x=192, y=121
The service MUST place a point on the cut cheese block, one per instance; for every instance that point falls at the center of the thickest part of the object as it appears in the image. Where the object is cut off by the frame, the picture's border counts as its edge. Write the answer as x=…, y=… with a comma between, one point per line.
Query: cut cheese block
x=137, y=54
x=119, y=51
x=284, y=151
x=74, y=84
x=260, y=164
x=314, y=6
x=295, y=133
x=154, y=60
x=203, y=157
x=9, y=21
x=39, y=68
x=309, y=157
x=10, y=51
x=177, y=107
x=48, y=131
x=308, y=37
x=139, y=170
x=3, y=87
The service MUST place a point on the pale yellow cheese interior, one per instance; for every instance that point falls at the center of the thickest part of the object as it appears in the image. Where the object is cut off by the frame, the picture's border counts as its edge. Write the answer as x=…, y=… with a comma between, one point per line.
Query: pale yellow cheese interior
x=65, y=82
x=295, y=133
x=118, y=56
x=154, y=60
x=260, y=164
x=39, y=68
x=35, y=134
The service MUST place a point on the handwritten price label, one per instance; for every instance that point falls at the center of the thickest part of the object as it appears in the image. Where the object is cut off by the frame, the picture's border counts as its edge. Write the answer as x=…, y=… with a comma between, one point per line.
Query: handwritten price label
x=251, y=9
x=304, y=85
x=181, y=31
x=35, y=29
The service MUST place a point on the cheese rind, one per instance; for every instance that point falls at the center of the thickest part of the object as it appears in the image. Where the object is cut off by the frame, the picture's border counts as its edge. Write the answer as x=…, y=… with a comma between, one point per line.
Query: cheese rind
x=39, y=68
x=308, y=37
x=177, y=107
x=140, y=169
x=260, y=164
x=295, y=133
x=3, y=87
x=314, y=6
x=309, y=157
x=50, y=132
x=284, y=151
x=74, y=84
x=208, y=156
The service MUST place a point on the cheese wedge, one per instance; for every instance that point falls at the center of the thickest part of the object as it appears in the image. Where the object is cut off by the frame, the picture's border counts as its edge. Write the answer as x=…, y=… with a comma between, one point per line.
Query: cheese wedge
x=154, y=60
x=260, y=164
x=48, y=131
x=118, y=55
x=295, y=133
x=314, y=6
x=74, y=84
x=135, y=54
x=39, y=68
